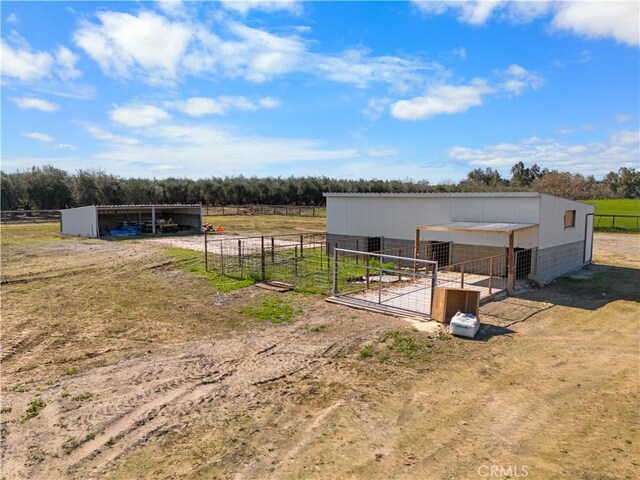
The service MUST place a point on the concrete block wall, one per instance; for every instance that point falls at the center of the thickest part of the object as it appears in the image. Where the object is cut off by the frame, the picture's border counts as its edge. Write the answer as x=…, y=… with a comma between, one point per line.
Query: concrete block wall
x=556, y=261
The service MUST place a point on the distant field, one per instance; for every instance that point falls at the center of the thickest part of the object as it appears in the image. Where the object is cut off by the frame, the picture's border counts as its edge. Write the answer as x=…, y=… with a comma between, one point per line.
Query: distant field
x=616, y=207
x=266, y=224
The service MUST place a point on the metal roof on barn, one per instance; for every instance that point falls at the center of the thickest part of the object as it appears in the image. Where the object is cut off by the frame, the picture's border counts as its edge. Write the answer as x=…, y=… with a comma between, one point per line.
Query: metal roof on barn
x=479, y=227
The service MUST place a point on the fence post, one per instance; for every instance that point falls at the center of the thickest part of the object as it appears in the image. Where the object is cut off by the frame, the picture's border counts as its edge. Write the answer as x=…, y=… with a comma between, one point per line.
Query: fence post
x=434, y=283
x=357, y=249
x=613, y=223
x=490, y=274
x=366, y=275
x=263, y=267
x=206, y=253
x=462, y=276
x=399, y=266
x=295, y=261
x=335, y=269
x=240, y=256
x=273, y=250
x=380, y=284
x=301, y=246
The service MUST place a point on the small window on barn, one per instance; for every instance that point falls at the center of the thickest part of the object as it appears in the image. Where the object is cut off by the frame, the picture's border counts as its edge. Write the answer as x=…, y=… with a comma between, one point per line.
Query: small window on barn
x=569, y=218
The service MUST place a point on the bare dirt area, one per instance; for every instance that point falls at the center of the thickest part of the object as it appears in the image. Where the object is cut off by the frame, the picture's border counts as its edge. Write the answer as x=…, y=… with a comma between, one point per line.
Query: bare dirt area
x=117, y=364
x=196, y=242
x=617, y=249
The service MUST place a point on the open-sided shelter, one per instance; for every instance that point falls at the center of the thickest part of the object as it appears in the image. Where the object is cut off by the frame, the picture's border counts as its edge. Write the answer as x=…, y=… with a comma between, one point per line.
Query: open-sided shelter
x=96, y=221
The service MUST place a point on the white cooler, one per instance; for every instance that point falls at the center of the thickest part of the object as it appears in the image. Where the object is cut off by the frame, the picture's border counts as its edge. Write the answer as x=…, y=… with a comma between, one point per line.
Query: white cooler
x=464, y=325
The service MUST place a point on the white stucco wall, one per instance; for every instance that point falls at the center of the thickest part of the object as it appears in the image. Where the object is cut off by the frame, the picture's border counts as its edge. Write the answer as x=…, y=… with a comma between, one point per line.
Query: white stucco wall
x=81, y=221
x=397, y=216
x=552, y=231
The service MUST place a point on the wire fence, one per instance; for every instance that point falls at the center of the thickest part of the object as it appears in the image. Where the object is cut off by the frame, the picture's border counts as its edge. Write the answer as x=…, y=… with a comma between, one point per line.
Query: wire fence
x=300, y=211
x=29, y=216
x=616, y=222
x=392, y=277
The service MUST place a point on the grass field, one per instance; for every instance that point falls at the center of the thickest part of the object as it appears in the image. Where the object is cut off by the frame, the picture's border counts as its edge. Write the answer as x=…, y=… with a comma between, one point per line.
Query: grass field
x=267, y=225
x=123, y=360
x=616, y=207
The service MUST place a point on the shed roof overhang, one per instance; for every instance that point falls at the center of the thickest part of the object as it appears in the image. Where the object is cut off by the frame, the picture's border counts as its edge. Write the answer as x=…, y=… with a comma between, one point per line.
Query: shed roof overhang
x=478, y=227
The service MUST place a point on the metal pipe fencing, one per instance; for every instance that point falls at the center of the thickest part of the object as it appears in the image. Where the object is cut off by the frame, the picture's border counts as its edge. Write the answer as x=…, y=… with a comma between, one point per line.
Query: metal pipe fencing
x=390, y=281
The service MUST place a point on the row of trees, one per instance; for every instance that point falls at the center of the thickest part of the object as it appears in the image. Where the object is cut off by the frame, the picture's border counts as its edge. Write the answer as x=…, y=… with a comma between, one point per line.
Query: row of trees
x=51, y=188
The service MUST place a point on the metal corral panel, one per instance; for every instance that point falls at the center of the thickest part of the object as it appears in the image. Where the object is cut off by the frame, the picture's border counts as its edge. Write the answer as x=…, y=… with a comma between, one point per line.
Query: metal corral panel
x=81, y=221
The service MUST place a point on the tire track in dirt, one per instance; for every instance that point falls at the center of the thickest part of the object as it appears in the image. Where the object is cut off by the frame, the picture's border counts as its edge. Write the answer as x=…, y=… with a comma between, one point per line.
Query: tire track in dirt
x=142, y=398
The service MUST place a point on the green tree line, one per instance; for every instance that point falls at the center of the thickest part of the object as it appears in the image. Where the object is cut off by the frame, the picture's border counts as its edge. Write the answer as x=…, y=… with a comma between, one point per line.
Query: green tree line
x=48, y=187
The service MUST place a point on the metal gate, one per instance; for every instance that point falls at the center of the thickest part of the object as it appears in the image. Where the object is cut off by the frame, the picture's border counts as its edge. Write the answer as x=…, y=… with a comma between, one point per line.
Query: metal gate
x=391, y=283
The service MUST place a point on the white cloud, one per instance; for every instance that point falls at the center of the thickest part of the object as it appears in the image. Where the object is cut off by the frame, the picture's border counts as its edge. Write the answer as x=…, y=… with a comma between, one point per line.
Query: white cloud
x=173, y=8
x=356, y=67
x=12, y=18
x=591, y=19
x=245, y=6
x=24, y=64
x=442, y=99
x=596, y=158
x=202, y=149
x=621, y=118
x=66, y=62
x=40, y=137
x=375, y=108
x=563, y=130
x=162, y=51
x=138, y=115
x=106, y=136
x=270, y=102
x=471, y=12
x=617, y=20
x=27, y=103
x=200, y=106
x=21, y=62
x=381, y=152
x=124, y=44
x=65, y=146
x=517, y=79
x=625, y=137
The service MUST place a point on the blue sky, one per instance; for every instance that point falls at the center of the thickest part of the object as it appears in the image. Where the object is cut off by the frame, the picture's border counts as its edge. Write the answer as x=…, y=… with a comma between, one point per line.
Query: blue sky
x=422, y=90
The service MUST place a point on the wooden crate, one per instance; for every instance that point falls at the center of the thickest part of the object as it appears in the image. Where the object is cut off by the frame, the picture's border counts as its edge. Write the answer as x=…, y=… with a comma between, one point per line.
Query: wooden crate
x=448, y=301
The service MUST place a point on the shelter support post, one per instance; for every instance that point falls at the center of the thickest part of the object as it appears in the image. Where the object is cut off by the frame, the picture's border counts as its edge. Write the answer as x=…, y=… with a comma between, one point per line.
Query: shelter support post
x=512, y=266
x=416, y=249
x=153, y=219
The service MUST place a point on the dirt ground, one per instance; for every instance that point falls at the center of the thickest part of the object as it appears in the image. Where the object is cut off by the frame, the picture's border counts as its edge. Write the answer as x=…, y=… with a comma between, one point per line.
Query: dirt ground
x=117, y=364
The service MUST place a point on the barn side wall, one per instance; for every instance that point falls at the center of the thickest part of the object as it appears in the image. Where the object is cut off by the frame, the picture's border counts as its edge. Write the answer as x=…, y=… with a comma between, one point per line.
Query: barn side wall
x=556, y=261
x=79, y=221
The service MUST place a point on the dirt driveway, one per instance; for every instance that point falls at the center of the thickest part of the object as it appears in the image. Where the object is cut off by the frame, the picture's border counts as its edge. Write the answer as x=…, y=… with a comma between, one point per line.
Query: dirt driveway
x=143, y=371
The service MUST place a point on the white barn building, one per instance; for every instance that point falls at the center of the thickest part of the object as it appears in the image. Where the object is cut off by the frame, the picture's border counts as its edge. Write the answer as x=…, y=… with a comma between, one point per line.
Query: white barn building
x=557, y=232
